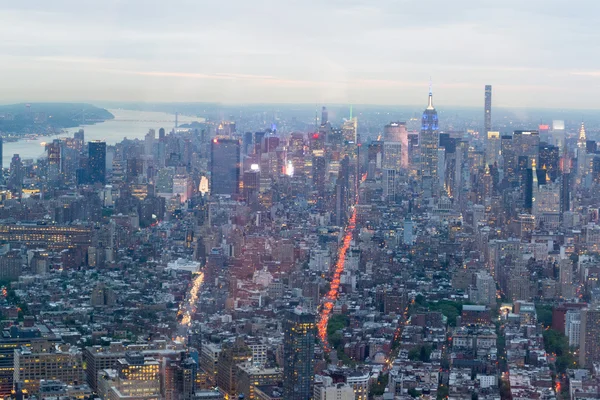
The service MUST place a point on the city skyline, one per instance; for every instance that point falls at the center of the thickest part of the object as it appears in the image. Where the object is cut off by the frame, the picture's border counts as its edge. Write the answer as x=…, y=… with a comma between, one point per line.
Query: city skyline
x=366, y=53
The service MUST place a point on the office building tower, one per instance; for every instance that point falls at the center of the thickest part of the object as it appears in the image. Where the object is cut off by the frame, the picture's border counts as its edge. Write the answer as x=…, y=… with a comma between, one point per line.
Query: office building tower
x=17, y=173
x=319, y=172
x=589, y=351
x=79, y=138
x=392, y=156
x=530, y=181
x=582, y=163
x=396, y=132
x=149, y=140
x=508, y=157
x=1, y=154
x=429, y=144
x=549, y=160
x=161, y=134
x=226, y=129
x=350, y=130
x=183, y=187
x=493, y=148
x=251, y=185
x=53, y=150
x=232, y=355
x=247, y=143
x=342, y=187
x=487, y=117
x=298, y=354
x=225, y=167
x=97, y=162
x=573, y=327
x=375, y=153
x=526, y=144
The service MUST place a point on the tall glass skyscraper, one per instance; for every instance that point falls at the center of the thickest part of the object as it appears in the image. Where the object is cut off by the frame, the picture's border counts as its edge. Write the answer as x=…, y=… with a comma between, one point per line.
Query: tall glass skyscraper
x=298, y=351
x=97, y=162
x=225, y=167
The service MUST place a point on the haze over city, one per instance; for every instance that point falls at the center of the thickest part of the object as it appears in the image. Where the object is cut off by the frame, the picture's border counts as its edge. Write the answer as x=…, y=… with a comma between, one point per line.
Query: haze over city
x=299, y=200
x=537, y=53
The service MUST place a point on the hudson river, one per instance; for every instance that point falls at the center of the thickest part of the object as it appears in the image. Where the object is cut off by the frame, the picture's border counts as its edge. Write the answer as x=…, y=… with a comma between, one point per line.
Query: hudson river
x=126, y=124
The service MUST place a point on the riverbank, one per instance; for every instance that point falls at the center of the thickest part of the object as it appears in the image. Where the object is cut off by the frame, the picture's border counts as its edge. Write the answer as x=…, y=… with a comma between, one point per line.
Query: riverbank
x=125, y=124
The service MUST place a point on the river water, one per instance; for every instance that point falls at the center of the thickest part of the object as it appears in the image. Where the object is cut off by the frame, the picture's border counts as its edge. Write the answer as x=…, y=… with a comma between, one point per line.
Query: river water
x=126, y=124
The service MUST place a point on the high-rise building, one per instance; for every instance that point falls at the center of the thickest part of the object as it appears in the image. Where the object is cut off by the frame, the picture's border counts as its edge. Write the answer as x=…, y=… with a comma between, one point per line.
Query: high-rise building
x=589, y=351
x=182, y=186
x=319, y=172
x=79, y=138
x=549, y=160
x=429, y=144
x=97, y=162
x=251, y=185
x=526, y=144
x=17, y=173
x=232, y=355
x=582, y=163
x=396, y=132
x=225, y=167
x=392, y=155
x=493, y=148
x=487, y=117
x=342, y=186
x=298, y=354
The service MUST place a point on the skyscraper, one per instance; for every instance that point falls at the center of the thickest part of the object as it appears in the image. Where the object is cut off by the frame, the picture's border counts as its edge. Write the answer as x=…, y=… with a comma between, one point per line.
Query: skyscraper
x=225, y=167
x=233, y=354
x=487, y=118
x=324, y=116
x=589, y=352
x=54, y=150
x=298, y=353
x=429, y=144
x=549, y=160
x=492, y=148
x=17, y=173
x=396, y=132
x=319, y=171
x=97, y=162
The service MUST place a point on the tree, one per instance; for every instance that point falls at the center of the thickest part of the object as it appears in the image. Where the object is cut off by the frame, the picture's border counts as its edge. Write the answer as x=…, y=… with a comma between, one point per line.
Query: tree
x=544, y=314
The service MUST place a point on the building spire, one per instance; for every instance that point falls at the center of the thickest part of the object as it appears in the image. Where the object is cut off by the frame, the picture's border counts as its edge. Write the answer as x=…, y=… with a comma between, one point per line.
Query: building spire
x=430, y=102
x=582, y=137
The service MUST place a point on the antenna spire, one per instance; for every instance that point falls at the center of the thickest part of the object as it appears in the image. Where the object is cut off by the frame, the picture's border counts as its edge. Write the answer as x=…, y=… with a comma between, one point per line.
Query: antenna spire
x=430, y=103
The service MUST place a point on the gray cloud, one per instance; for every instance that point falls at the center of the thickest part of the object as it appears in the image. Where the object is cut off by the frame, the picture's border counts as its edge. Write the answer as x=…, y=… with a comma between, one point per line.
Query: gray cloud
x=535, y=53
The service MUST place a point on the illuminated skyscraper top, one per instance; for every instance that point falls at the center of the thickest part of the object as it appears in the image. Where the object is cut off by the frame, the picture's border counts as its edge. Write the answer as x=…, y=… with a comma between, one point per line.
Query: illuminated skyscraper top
x=429, y=140
x=582, y=137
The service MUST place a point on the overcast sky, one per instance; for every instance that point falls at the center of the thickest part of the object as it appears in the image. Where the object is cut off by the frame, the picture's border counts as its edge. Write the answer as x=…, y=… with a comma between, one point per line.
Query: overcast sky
x=536, y=53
